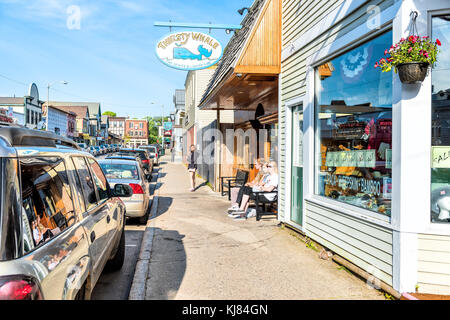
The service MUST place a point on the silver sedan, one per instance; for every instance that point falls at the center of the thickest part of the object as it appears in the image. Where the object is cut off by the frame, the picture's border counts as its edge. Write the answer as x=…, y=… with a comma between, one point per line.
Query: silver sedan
x=129, y=172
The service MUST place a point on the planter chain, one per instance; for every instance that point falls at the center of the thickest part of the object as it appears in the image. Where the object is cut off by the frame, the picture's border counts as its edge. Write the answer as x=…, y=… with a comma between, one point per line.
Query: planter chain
x=412, y=24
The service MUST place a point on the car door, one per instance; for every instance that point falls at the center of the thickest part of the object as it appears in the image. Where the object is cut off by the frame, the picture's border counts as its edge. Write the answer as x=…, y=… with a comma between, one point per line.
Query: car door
x=94, y=217
x=107, y=204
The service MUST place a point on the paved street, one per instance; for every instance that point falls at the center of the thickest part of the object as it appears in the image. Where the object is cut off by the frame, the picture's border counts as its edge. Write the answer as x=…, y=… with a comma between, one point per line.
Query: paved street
x=201, y=253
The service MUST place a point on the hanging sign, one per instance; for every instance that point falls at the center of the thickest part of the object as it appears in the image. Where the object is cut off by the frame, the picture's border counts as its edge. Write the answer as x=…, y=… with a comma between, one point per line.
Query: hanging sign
x=188, y=50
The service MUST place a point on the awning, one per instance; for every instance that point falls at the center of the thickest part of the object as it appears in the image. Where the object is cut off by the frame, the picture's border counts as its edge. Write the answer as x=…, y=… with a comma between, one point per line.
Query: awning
x=248, y=72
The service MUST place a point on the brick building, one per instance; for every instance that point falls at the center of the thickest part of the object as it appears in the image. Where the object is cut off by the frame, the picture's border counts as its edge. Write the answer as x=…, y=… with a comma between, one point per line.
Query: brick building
x=136, y=132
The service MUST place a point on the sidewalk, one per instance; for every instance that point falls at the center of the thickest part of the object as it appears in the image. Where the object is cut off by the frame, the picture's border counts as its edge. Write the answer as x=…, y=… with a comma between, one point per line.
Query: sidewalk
x=199, y=252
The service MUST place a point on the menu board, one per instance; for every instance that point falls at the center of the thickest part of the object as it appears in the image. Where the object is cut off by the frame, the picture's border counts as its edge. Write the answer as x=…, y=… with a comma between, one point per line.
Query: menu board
x=355, y=158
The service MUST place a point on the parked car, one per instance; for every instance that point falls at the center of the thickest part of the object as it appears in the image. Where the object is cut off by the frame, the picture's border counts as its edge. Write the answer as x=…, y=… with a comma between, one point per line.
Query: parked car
x=143, y=155
x=60, y=222
x=84, y=147
x=104, y=149
x=99, y=150
x=93, y=151
x=129, y=171
x=127, y=156
x=153, y=151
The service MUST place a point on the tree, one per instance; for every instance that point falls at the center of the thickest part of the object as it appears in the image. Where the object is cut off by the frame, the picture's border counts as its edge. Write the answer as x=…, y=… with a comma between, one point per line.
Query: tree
x=109, y=113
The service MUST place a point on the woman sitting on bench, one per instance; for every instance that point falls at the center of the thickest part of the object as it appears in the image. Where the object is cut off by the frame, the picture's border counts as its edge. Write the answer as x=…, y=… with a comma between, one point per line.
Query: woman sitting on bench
x=236, y=193
x=271, y=184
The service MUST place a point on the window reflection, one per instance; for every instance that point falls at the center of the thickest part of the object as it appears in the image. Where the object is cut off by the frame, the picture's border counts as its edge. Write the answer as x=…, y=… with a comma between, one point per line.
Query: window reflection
x=440, y=171
x=354, y=128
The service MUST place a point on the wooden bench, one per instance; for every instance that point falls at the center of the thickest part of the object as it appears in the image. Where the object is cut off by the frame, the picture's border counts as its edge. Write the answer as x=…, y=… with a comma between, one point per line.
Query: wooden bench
x=237, y=181
x=263, y=204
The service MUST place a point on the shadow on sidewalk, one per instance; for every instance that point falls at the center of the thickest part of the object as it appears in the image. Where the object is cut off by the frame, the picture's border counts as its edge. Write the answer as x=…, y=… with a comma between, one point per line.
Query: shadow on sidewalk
x=164, y=204
x=167, y=265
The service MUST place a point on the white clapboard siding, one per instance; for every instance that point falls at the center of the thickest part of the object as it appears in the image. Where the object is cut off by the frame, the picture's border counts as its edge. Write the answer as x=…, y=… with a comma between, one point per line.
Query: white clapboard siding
x=364, y=244
x=433, y=272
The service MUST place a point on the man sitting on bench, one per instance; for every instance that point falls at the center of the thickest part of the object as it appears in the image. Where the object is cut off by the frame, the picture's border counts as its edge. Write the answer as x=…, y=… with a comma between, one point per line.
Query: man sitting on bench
x=271, y=184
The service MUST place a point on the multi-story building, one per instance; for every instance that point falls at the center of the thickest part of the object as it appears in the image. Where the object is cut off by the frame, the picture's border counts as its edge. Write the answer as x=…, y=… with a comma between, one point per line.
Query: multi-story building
x=94, y=118
x=136, y=132
x=79, y=120
x=117, y=126
x=177, y=119
x=27, y=110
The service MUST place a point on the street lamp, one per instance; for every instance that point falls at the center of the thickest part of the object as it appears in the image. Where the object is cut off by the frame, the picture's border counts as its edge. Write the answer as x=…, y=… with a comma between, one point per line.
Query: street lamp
x=162, y=122
x=48, y=99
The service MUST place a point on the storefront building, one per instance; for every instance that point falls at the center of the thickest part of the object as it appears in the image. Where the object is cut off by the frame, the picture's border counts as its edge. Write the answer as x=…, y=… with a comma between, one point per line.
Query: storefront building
x=361, y=169
x=136, y=132
x=246, y=83
x=78, y=117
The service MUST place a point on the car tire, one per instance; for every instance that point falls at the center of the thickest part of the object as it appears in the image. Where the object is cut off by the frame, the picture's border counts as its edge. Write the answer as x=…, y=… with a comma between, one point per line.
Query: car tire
x=81, y=294
x=144, y=218
x=116, y=262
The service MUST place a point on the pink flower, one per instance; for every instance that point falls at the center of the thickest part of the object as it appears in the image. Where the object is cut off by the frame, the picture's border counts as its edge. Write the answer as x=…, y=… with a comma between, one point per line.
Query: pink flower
x=385, y=52
x=376, y=64
x=410, y=49
x=402, y=39
x=425, y=54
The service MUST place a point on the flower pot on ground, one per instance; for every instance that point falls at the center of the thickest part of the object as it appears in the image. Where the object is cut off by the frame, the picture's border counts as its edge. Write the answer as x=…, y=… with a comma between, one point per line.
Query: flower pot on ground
x=412, y=72
x=411, y=58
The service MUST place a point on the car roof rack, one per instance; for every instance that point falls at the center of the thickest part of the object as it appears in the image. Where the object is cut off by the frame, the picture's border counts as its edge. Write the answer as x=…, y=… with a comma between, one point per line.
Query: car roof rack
x=23, y=137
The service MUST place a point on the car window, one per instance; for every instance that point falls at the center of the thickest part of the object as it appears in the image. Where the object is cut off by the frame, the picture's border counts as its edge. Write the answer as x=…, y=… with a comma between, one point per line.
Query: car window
x=99, y=179
x=120, y=171
x=47, y=204
x=80, y=188
x=90, y=198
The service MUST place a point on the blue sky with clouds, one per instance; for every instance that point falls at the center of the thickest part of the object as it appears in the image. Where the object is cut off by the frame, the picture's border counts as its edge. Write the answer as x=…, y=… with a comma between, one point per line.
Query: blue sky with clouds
x=110, y=59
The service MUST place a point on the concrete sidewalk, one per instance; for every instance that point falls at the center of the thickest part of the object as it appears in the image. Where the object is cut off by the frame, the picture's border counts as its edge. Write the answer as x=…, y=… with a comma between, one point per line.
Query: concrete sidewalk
x=198, y=252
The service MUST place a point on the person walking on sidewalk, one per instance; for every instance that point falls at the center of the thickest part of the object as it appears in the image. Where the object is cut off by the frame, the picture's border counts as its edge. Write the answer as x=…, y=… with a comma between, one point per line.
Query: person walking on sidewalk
x=192, y=166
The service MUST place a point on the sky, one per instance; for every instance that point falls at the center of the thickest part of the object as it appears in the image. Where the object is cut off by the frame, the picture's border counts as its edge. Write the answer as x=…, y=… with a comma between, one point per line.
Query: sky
x=104, y=49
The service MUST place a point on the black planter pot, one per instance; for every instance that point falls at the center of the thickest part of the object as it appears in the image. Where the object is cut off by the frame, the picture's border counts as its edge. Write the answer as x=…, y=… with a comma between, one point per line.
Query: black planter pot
x=412, y=72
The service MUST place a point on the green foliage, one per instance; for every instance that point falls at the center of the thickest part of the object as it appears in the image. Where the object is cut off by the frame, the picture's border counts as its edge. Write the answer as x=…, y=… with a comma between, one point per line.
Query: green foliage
x=109, y=113
x=153, y=124
x=413, y=49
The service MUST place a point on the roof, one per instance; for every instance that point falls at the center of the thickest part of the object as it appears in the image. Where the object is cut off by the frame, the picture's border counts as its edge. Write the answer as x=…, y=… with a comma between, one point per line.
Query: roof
x=10, y=100
x=234, y=47
x=79, y=111
x=94, y=107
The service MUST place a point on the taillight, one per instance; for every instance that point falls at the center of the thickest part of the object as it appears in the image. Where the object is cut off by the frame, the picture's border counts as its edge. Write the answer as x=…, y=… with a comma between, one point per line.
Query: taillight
x=146, y=161
x=137, y=189
x=19, y=288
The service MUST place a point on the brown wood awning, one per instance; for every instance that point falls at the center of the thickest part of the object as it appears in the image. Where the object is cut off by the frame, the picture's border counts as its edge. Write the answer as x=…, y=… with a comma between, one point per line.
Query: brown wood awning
x=252, y=60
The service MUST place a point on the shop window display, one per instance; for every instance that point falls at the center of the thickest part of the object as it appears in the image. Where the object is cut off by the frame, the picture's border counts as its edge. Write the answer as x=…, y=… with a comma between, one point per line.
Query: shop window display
x=354, y=128
x=440, y=144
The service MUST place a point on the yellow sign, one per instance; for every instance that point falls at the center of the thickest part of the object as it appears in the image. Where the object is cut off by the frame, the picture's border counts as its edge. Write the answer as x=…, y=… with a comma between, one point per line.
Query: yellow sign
x=440, y=157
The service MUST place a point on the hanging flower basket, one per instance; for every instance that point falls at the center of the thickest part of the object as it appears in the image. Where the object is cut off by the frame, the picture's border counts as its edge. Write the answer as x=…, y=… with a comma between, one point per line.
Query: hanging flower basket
x=411, y=58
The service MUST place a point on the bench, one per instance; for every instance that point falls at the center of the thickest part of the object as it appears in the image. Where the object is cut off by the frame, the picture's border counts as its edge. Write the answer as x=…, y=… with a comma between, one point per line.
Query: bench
x=238, y=181
x=263, y=204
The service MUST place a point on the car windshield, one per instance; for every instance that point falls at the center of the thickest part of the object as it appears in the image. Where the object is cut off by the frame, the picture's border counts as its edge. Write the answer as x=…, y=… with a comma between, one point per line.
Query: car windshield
x=120, y=170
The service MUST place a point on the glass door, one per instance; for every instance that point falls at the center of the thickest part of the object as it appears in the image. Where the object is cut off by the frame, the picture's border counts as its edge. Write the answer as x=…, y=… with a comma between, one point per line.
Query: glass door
x=297, y=166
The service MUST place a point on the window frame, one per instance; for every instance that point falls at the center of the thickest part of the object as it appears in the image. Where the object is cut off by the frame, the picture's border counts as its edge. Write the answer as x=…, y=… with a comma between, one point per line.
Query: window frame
x=318, y=59
x=442, y=228
x=97, y=203
x=108, y=188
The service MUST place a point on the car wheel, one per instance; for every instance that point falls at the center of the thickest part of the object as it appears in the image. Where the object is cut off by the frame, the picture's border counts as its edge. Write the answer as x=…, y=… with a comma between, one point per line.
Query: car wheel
x=116, y=262
x=81, y=294
x=144, y=218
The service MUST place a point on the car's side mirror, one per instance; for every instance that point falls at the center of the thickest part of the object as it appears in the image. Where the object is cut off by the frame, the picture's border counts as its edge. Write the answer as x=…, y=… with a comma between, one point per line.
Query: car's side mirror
x=122, y=190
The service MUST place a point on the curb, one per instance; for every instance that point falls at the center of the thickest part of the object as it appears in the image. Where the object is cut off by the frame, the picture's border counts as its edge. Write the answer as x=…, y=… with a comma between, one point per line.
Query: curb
x=137, y=291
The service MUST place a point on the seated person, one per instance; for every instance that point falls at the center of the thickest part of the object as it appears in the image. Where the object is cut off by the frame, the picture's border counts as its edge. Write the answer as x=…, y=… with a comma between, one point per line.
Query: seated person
x=236, y=193
x=271, y=184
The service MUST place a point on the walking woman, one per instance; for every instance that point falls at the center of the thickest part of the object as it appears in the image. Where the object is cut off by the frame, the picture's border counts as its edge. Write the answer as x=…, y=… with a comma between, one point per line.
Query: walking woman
x=192, y=166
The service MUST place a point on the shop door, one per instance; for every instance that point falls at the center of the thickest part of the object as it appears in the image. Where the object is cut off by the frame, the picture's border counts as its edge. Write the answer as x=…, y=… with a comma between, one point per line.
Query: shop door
x=297, y=166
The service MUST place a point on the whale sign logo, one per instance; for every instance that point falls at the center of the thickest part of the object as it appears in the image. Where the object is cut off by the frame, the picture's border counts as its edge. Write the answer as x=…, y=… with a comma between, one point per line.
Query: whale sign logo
x=188, y=50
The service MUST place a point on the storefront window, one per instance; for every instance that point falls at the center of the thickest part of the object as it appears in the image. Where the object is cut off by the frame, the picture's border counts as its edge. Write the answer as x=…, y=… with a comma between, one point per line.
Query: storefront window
x=354, y=128
x=440, y=143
